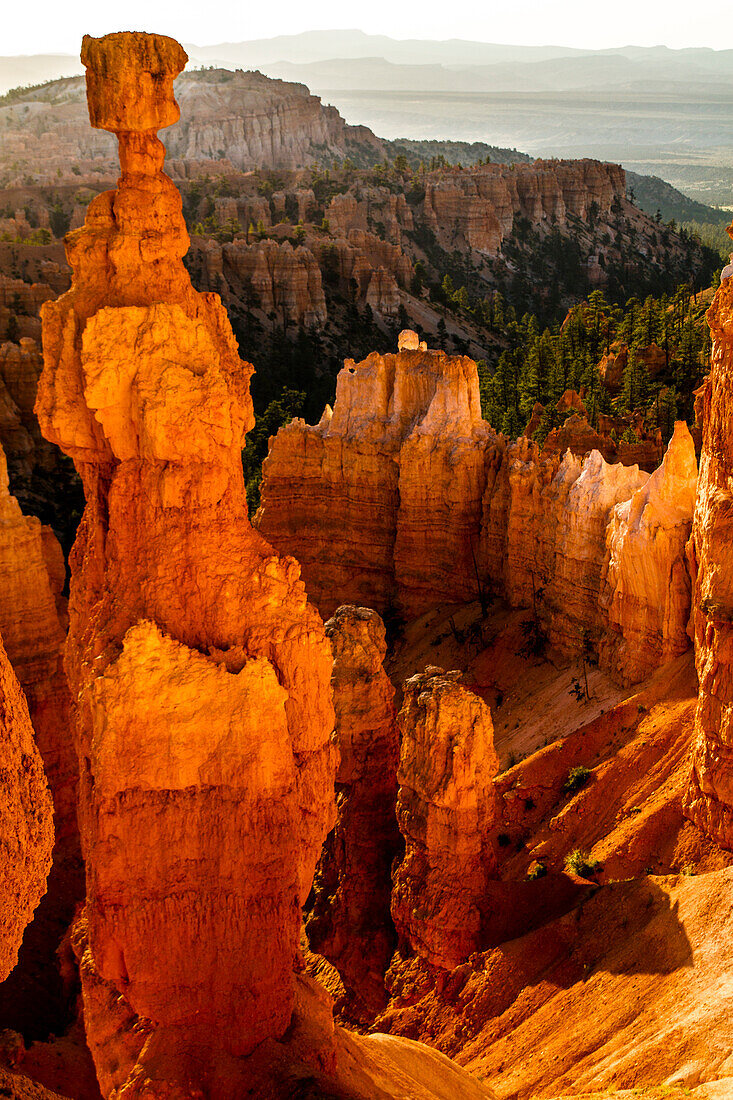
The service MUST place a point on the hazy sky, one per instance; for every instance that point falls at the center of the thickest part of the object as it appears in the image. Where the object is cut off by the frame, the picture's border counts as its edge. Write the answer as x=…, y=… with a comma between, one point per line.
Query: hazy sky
x=50, y=26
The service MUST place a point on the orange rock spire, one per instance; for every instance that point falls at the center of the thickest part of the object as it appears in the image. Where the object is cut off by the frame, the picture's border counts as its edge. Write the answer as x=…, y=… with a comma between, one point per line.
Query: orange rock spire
x=709, y=800
x=200, y=672
x=349, y=922
x=26, y=819
x=446, y=810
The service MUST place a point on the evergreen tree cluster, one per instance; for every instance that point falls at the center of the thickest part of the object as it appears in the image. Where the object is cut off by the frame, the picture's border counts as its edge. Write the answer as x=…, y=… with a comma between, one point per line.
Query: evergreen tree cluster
x=540, y=364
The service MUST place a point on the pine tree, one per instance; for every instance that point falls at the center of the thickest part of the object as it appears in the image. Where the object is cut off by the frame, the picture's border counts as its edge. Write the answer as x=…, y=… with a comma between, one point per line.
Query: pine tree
x=635, y=389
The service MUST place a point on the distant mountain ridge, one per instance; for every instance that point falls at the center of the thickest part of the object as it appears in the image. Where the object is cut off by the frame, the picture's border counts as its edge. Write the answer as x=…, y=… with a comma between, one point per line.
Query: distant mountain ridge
x=481, y=65
x=658, y=111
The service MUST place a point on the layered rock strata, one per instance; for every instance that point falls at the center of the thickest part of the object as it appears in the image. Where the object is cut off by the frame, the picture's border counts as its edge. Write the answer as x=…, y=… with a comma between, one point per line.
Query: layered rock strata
x=350, y=922
x=199, y=670
x=646, y=583
x=403, y=496
x=709, y=800
x=382, y=498
x=477, y=207
x=33, y=626
x=446, y=810
x=240, y=120
x=544, y=527
x=32, y=621
x=26, y=822
x=271, y=276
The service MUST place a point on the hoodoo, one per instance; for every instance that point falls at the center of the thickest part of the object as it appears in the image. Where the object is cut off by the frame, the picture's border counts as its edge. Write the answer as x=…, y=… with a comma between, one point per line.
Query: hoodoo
x=26, y=819
x=404, y=496
x=349, y=922
x=709, y=801
x=445, y=809
x=382, y=498
x=200, y=672
x=32, y=625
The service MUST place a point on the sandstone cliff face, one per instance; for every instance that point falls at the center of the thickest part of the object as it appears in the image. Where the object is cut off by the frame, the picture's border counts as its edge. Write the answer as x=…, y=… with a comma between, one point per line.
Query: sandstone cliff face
x=26, y=826
x=26, y=451
x=273, y=276
x=348, y=213
x=32, y=624
x=445, y=810
x=646, y=585
x=32, y=613
x=240, y=120
x=543, y=535
x=478, y=206
x=350, y=922
x=383, y=497
x=199, y=670
x=269, y=275
x=402, y=495
x=252, y=121
x=709, y=800
x=21, y=300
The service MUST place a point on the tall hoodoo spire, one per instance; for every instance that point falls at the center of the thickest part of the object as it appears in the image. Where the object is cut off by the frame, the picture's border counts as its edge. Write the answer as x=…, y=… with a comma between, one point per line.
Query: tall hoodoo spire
x=200, y=671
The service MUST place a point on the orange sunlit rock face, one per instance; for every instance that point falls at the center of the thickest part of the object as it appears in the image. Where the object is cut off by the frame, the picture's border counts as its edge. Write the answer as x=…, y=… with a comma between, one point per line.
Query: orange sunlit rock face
x=646, y=586
x=350, y=922
x=709, y=800
x=382, y=498
x=445, y=810
x=403, y=496
x=200, y=672
x=26, y=819
x=33, y=629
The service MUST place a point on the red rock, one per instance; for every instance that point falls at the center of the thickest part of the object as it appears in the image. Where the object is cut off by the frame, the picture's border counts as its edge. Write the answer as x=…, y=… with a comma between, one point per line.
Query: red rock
x=571, y=400
x=32, y=623
x=603, y=999
x=274, y=276
x=654, y=358
x=382, y=295
x=403, y=496
x=646, y=586
x=350, y=922
x=200, y=672
x=612, y=366
x=348, y=213
x=709, y=800
x=544, y=536
x=445, y=810
x=26, y=823
x=476, y=207
x=576, y=434
x=384, y=495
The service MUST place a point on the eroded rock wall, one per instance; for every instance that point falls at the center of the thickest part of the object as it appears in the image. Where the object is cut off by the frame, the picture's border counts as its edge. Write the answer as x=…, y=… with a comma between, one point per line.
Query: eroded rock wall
x=26, y=818
x=402, y=497
x=382, y=499
x=709, y=800
x=445, y=810
x=646, y=583
x=267, y=275
x=478, y=207
x=33, y=627
x=350, y=922
x=240, y=120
